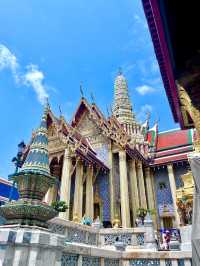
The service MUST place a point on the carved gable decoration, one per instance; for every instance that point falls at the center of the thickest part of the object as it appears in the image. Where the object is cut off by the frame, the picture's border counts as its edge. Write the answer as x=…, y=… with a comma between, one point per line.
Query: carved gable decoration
x=88, y=128
x=52, y=131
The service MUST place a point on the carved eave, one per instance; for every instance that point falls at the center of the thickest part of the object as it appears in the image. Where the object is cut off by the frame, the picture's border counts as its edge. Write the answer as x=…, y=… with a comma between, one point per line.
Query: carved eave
x=136, y=155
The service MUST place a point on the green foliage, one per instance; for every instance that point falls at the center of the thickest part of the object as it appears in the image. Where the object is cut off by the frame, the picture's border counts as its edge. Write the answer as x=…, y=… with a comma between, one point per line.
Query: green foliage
x=59, y=206
x=142, y=212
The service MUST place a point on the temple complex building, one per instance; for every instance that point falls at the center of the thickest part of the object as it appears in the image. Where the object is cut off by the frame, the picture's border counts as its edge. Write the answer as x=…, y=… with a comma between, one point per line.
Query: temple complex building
x=115, y=167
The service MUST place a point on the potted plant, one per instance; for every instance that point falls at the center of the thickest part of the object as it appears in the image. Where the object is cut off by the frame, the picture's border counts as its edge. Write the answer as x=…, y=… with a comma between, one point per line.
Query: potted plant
x=141, y=213
x=59, y=206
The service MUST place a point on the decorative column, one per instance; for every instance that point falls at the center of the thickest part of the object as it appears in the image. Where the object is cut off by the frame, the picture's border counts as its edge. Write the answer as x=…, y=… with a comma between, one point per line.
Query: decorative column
x=134, y=190
x=155, y=217
x=51, y=195
x=66, y=183
x=150, y=194
x=125, y=211
x=111, y=184
x=150, y=197
x=78, y=193
x=143, y=201
x=89, y=208
x=173, y=191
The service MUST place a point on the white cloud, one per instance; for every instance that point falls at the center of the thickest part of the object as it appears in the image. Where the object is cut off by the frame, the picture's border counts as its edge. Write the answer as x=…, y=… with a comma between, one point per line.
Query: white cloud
x=8, y=61
x=145, y=89
x=33, y=77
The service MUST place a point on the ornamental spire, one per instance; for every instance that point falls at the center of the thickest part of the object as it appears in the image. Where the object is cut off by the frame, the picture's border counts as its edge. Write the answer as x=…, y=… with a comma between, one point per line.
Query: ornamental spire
x=37, y=160
x=122, y=107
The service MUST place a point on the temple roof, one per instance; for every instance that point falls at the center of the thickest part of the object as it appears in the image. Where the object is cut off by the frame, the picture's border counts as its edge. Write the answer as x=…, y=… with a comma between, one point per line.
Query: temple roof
x=176, y=44
x=75, y=140
x=110, y=127
x=174, y=139
x=173, y=145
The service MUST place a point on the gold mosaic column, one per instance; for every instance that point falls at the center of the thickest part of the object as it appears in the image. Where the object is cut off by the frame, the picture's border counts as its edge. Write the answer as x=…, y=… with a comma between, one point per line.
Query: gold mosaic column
x=66, y=183
x=89, y=208
x=78, y=193
x=125, y=211
x=143, y=201
x=173, y=191
x=134, y=189
x=111, y=184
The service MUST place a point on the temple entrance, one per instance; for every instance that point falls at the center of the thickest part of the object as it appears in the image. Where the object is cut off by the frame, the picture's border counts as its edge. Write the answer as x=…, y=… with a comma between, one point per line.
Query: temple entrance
x=167, y=222
x=96, y=210
x=98, y=206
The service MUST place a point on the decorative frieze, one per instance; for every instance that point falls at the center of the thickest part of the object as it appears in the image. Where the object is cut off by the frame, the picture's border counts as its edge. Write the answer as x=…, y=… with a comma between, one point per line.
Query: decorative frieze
x=144, y=262
x=90, y=261
x=111, y=262
x=77, y=236
x=111, y=239
x=140, y=239
x=69, y=260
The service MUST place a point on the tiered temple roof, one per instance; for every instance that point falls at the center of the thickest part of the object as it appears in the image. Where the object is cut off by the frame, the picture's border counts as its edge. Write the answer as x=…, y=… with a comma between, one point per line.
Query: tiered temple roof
x=75, y=140
x=173, y=146
x=110, y=127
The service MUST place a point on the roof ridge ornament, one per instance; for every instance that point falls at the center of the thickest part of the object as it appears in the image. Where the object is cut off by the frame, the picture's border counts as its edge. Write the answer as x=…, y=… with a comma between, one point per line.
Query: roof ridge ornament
x=92, y=97
x=81, y=90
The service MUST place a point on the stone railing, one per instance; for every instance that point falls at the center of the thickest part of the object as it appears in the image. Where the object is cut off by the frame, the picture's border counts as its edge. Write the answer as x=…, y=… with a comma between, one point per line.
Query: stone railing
x=28, y=245
x=74, y=232
x=78, y=233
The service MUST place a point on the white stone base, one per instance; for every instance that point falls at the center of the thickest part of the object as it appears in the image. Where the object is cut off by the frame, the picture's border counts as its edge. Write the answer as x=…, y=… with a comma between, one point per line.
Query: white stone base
x=29, y=246
x=186, y=234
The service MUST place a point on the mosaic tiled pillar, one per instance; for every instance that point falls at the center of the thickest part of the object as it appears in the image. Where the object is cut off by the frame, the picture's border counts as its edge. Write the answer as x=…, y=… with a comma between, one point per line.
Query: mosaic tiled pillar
x=78, y=194
x=89, y=208
x=125, y=211
x=66, y=183
x=111, y=183
x=173, y=191
x=134, y=189
x=143, y=201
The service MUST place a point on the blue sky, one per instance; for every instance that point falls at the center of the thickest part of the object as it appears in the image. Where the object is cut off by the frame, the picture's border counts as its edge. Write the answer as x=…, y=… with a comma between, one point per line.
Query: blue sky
x=48, y=47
